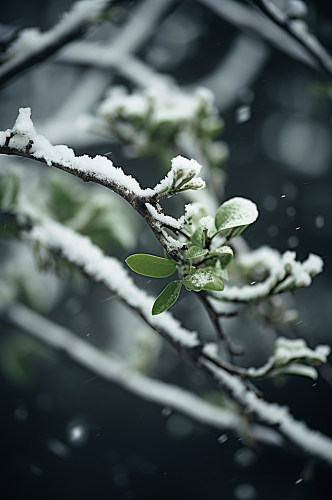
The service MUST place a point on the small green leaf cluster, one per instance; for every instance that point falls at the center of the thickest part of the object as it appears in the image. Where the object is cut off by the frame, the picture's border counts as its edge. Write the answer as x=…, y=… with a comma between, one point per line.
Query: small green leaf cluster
x=203, y=264
x=152, y=122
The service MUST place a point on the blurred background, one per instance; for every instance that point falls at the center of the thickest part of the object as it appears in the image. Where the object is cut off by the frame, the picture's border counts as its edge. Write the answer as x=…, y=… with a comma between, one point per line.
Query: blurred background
x=69, y=434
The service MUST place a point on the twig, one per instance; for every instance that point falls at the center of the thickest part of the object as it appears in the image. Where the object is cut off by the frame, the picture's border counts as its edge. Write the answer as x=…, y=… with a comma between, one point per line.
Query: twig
x=297, y=31
x=309, y=442
x=251, y=21
x=106, y=270
x=70, y=27
x=24, y=141
x=220, y=331
x=101, y=364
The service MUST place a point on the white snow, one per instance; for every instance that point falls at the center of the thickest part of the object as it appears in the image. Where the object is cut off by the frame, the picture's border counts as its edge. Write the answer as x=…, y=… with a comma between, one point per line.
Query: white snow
x=79, y=250
x=312, y=441
x=297, y=8
x=119, y=102
x=115, y=371
x=211, y=349
x=284, y=273
x=166, y=219
x=237, y=212
x=290, y=352
x=176, y=244
x=32, y=40
x=166, y=103
x=207, y=222
x=99, y=167
x=182, y=169
x=190, y=210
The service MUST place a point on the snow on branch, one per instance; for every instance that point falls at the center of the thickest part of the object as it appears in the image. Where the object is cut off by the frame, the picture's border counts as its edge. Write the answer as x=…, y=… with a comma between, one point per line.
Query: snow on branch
x=298, y=29
x=23, y=140
x=118, y=372
x=32, y=46
x=79, y=250
x=285, y=274
x=248, y=20
x=292, y=356
x=309, y=441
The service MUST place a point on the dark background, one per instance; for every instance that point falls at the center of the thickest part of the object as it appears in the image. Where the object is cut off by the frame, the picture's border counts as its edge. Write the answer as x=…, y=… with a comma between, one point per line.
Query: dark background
x=127, y=448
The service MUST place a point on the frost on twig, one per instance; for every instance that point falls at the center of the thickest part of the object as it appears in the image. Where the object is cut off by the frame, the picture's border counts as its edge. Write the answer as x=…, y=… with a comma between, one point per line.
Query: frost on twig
x=32, y=46
x=285, y=273
x=292, y=356
x=23, y=140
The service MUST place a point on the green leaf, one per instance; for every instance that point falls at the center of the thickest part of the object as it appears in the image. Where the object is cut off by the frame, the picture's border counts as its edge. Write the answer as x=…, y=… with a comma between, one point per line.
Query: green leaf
x=167, y=297
x=150, y=265
x=203, y=279
x=224, y=255
x=220, y=271
x=236, y=214
x=197, y=237
x=195, y=252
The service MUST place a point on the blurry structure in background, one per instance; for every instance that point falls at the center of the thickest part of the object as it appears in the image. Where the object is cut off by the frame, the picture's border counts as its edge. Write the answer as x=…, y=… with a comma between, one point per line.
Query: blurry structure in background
x=126, y=79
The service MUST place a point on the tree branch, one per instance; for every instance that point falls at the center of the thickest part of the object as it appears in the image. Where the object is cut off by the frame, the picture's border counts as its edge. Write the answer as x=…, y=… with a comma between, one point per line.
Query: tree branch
x=23, y=140
x=108, y=271
x=118, y=372
x=298, y=30
x=220, y=331
x=33, y=47
x=308, y=441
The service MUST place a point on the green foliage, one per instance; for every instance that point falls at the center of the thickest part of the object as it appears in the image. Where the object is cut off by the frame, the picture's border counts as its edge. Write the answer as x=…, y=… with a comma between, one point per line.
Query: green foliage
x=150, y=265
x=203, y=279
x=292, y=356
x=167, y=297
x=203, y=265
x=234, y=216
x=154, y=123
x=195, y=251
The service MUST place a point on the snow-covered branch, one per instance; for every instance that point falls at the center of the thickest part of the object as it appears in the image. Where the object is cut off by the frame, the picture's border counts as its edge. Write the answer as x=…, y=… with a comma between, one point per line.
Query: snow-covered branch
x=284, y=274
x=79, y=250
x=23, y=140
x=298, y=29
x=108, y=271
x=32, y=47
x=310, y=442
x=118, y=372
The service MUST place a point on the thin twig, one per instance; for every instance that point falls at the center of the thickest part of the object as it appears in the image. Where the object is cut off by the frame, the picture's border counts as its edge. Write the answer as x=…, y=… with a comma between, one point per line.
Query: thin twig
x=73, y=26
x=118, y=372
x=220, y=331
x=306, y=39
x=76, y=249
x=139, y=199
